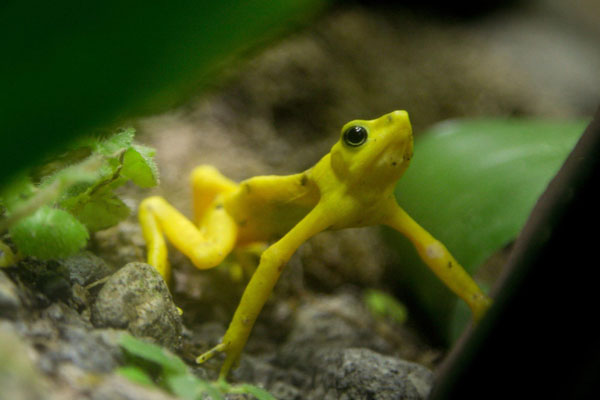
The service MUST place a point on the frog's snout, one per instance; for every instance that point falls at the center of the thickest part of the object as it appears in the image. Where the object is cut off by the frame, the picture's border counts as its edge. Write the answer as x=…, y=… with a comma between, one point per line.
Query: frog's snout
x=398, y=117
x=400, y=124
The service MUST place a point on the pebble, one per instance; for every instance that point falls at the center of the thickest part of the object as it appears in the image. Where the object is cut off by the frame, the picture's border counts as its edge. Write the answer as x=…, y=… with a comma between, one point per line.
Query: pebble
x=136, y=298
x=9, y=298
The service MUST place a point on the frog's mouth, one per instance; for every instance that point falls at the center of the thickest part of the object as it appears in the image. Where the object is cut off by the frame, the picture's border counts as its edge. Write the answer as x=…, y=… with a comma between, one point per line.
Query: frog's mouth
x=397, y=154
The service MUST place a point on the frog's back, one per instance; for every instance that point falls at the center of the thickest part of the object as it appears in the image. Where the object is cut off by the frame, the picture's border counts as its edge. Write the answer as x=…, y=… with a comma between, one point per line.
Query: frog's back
x=266, y=207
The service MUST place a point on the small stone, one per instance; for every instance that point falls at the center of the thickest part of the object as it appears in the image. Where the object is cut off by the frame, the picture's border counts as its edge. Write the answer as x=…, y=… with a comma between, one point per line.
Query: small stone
x=136, y=298
x=85, y=268
x=337, y=355
x=117, y=387
x=19, y=377
x=9, y=298
x=80, y=296
x=365, y=374
x=282, y=390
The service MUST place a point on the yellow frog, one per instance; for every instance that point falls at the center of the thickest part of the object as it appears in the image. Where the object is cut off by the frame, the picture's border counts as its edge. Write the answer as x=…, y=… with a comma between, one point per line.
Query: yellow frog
x=351, y=186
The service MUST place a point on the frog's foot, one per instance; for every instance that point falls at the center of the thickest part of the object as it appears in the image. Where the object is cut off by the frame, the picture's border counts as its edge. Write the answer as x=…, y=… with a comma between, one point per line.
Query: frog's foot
x=221, y=347
x=479, y=306
x=231, y=358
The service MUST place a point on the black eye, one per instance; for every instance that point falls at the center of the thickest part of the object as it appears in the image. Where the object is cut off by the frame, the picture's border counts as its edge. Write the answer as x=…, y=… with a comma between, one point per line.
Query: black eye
x=355, y=136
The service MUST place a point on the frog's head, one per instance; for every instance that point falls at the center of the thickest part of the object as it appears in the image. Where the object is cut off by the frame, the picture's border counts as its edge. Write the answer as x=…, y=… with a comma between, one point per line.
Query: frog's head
x=374, y=153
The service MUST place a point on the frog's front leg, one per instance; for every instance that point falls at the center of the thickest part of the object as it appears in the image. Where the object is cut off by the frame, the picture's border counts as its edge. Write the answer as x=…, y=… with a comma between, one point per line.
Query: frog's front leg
x=261, y=285
x=439, y=259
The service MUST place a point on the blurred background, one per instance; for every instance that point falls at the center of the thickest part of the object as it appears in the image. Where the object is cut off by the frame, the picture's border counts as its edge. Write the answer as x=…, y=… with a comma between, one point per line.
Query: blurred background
x=71, y=69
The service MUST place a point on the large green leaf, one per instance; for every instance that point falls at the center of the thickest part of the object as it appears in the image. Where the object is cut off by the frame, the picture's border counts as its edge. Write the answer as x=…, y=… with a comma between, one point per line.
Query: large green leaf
x=472, y=184
x=71, y=67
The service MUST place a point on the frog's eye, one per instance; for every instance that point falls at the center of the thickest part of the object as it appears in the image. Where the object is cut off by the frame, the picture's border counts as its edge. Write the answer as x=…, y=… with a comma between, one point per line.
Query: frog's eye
x=355, y=136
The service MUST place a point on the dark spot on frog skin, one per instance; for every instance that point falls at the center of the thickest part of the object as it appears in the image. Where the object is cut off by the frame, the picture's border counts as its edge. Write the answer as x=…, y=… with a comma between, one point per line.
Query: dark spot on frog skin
x=247, y=187
x=303, y=180
x=394, y=163
x=450, y=265
x=219, y=206
x=390, y=119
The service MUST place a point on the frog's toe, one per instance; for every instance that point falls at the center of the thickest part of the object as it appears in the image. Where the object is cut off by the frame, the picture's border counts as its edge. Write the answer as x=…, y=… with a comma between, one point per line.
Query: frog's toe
x=221, y=347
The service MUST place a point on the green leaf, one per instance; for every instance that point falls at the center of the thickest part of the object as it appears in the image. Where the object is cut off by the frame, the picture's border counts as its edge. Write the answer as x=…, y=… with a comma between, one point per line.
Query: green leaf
x=472, y=184
x=104, y=70
x=49, y=233
x=116, y=143
x=135, y=374
x=139, y=166
x=101, y=210
x=259, y=393
x=191, y=388
x=182, y=386
x=170, y=363
x=383, y=305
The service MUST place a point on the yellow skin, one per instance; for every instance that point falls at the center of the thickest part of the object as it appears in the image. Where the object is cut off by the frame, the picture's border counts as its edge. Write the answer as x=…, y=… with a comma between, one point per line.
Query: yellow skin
x=351, y=186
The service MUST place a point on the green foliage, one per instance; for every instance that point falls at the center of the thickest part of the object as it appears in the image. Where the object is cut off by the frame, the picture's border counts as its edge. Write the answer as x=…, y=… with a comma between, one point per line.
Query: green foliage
x=150, y=364
x=72, y=70
x=74, y=195
x=382, y=305
x=49, y=233
x=472, y=184
x=138, y=166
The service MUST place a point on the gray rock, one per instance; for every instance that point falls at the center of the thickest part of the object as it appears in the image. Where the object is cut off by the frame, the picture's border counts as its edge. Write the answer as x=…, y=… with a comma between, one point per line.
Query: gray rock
x=9, y=297
x=136, y=298
x=61, y=315
x=114, y=387
x=338, y=321
x=334, y=351
x=85, y=268
x=282, y=390
x=332, y=343
x=84, y=349
x=19, y=378
x=364, y=374
x=61, y=335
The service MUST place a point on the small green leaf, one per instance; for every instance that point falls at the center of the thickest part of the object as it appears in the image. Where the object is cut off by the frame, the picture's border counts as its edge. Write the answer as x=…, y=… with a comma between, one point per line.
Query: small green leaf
x=135, y=374
x=385, y=306
x=153, y=353
x=139, y=166
x=102, y=210
x=49, y=233
x=183, y=386
x=259, y=393
x=191, y=388
x=116, y=143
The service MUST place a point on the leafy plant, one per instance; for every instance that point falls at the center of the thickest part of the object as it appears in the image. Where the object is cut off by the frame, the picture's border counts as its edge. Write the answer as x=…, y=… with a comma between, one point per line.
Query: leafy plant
x=472, y=184
x=50, y=211
x=151, y=365
x=385, y=306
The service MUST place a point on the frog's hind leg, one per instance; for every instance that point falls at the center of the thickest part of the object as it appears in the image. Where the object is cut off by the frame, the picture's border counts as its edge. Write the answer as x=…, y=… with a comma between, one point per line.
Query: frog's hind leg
x=205, y=243
x=207, y=183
